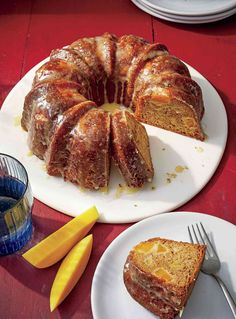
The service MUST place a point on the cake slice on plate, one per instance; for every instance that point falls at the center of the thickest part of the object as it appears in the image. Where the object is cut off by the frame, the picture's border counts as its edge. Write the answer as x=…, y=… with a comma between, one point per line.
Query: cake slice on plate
x=160, y=274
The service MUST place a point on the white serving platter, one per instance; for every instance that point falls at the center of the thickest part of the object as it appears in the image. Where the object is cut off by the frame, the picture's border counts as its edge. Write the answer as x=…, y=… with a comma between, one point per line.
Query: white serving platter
x=182, y=165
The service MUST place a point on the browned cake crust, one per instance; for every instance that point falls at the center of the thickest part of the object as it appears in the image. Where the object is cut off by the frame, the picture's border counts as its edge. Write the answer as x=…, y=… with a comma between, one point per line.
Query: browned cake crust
x=48, y=92
x=106, y=52
x=86, y=48
x=72, y=56
x=42, y=106
x=130, y=149
x=57, y=154
x=149, y=53
x=56, y=70
x=128, y=48
x=89, y=151
x=166, y=63
x=162, y=64
x=156, y=306
x=160, y=274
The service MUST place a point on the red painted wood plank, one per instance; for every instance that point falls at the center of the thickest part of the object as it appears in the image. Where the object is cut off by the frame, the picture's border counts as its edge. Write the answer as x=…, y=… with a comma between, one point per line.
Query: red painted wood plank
x=57, y=23
x=14, y=22
x=208, y=47
x=27, y=289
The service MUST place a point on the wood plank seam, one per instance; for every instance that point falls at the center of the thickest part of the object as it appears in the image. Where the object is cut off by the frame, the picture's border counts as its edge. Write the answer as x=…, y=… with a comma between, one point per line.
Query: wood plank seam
x=26, y=39
x=152, y=26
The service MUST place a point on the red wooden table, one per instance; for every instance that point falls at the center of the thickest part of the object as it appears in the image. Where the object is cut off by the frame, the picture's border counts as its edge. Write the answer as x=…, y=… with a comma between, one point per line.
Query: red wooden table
x=29, y=30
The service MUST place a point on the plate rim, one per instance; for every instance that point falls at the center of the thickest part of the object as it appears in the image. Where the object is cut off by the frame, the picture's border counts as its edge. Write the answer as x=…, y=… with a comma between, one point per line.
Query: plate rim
x=144, y=7
x=185, y=13
x=194, y=19
x=135, y=226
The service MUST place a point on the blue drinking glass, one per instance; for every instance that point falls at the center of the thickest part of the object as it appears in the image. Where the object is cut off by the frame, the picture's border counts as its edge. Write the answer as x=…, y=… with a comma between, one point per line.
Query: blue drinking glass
x=16, y=203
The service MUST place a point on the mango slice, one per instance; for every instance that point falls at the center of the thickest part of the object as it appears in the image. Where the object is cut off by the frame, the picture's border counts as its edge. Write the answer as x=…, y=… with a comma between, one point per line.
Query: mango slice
x=162, y=273
x=54, y=247
x=70, y=271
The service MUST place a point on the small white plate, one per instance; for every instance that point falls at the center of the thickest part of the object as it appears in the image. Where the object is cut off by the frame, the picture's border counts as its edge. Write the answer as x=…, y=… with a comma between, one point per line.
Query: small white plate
x=143, y=5
x=192, y=7
x=169, y=189
x=109, y=296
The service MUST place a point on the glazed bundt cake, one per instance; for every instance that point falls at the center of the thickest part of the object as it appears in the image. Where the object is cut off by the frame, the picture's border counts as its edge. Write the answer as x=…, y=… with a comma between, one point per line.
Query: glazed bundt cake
x=77, y=139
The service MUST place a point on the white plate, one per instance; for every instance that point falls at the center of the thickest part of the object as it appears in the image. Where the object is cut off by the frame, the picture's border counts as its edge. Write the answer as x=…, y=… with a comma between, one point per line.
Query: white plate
x=192, y=7
x=168, y=150
x=193, y=19
x=181, y=19
x=109, y=296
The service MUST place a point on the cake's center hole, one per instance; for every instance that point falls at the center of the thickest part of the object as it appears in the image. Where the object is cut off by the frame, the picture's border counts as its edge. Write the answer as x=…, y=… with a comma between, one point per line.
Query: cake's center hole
x=112, y=107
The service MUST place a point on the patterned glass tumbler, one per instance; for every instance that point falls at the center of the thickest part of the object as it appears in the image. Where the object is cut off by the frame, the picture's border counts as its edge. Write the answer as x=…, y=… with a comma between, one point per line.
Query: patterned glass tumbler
x=16, y=203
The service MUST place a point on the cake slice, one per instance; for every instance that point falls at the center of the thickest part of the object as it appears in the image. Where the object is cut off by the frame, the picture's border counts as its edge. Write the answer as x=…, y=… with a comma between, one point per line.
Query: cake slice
x=85, y=73
x=162, y=64
x=160, y=274
x=86, y=48
x=130, y=149
x=71, y=55
x=56, y=70
x=172, y=102
x=57, y=154
x=88, y=163
x=128, y=48
x=106, y=52
x=150, y=52
x=42, y=106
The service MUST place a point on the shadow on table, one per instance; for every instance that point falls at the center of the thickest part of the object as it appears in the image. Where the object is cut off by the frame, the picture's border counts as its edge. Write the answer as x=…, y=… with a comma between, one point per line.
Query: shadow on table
x=40, y=280
x=218, y=28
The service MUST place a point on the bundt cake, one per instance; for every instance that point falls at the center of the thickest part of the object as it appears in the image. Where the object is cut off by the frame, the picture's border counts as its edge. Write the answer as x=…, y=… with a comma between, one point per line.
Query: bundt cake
x=161, y=273
x=77, y=139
